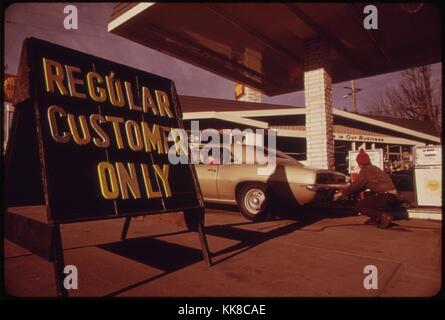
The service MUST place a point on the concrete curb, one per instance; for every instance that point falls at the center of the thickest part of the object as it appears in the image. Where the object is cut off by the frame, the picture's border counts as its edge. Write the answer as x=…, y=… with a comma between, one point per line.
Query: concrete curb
x=425, y=213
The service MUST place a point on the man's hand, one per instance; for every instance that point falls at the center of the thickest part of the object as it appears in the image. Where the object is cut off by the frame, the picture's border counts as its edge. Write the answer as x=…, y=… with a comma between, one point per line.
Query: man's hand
x=338, y=195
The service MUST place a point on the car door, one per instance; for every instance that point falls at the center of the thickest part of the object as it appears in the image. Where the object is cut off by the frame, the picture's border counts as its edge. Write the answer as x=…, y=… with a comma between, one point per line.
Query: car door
x=227, y=172
x=207, y=172
x=207, y=175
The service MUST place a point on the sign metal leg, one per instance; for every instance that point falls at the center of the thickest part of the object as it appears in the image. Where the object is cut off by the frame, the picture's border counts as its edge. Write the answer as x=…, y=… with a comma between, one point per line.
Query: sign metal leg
x=204, y=244
x=194, y=219
x=58, y=260
x=125, y=228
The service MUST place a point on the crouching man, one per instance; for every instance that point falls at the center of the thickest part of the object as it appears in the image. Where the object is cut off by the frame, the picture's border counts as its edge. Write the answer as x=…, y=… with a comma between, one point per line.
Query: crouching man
x=383, y=192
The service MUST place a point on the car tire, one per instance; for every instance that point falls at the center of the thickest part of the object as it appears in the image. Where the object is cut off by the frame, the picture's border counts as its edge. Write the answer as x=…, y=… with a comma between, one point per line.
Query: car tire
x=253, y=200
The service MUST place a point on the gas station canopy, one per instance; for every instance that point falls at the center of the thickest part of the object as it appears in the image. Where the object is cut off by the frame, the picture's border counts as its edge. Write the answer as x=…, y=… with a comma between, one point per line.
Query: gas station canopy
x=261, y=44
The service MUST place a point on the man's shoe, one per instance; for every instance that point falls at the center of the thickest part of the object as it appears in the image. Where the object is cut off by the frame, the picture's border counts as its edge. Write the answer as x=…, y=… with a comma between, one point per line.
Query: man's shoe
x=385, y=221
x=371, y=221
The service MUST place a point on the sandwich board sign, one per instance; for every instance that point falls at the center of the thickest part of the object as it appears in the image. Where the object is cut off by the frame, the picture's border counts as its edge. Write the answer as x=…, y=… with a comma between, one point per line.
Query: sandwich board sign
x=89, y=140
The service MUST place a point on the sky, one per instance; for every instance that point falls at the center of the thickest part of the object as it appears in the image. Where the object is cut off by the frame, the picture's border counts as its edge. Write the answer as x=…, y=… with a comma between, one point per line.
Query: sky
x=45, y=21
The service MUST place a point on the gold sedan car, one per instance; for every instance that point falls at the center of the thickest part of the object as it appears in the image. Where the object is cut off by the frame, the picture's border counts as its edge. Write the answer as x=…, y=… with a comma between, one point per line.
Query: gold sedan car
x=255, y=187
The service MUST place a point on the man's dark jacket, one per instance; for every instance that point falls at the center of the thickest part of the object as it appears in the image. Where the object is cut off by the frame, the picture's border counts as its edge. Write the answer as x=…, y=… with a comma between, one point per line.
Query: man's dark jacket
x=373, y=178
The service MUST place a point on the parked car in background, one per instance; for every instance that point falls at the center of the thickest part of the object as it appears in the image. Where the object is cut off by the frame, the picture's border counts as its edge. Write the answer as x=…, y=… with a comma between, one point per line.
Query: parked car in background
x=288, y=182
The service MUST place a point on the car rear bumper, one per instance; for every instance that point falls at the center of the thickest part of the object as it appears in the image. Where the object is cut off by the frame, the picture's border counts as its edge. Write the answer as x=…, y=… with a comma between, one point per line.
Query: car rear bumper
x=323, y=192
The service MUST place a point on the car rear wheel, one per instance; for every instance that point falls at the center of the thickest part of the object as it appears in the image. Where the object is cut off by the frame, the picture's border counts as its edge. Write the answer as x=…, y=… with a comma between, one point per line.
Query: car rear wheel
x=253, y=200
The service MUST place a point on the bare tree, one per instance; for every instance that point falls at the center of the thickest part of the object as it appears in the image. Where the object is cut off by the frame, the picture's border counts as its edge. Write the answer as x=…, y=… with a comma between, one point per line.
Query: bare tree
x=417, y=96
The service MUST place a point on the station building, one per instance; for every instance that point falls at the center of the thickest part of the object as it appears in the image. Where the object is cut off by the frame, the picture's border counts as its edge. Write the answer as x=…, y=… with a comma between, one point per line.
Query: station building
x=351, y=131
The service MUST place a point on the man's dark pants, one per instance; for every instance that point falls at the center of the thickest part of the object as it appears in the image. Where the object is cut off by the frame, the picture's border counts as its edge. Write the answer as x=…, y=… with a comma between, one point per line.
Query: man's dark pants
x=370, y=205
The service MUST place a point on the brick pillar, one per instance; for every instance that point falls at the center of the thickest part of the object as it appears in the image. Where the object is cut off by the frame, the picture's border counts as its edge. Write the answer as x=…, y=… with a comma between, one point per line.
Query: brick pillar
x=318, y=100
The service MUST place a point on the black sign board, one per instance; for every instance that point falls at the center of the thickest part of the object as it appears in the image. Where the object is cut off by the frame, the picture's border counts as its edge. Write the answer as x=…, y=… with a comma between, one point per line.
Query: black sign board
x=89, y=140
x=100, y=132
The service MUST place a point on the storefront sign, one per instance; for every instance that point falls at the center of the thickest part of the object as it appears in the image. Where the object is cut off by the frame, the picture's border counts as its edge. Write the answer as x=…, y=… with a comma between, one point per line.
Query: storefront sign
x=99, y=132
x=356, y=137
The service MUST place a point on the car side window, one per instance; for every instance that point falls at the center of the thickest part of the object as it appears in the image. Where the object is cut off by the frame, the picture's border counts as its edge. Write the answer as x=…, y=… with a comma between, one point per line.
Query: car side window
x=226, y=156
x=208, y=156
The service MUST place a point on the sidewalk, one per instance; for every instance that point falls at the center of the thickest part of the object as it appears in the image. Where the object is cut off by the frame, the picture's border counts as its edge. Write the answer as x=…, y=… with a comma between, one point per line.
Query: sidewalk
x=425, y=213
x=317, y=255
